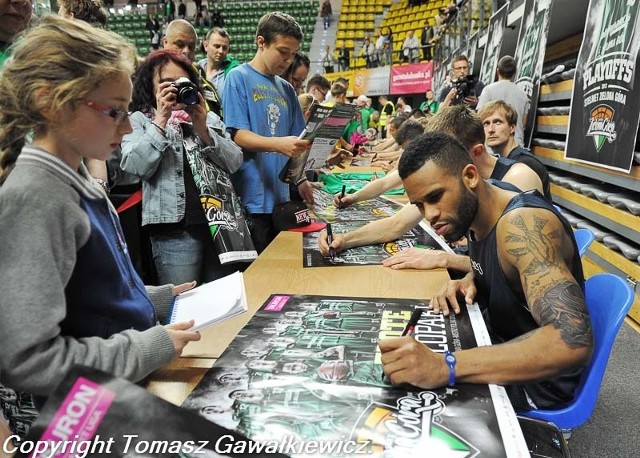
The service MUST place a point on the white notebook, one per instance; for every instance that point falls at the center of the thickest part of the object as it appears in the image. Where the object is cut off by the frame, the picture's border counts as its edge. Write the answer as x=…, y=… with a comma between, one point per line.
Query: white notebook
x=211, y=302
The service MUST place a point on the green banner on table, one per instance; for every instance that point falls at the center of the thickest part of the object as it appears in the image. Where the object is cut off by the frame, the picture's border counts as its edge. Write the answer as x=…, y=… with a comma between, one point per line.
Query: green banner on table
x=353, y=182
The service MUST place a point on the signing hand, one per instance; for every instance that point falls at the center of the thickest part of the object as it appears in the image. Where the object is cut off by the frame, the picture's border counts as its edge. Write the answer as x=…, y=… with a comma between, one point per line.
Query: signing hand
x=342, y=202
x=338, y=243
x=405, y=360
x=389, y=166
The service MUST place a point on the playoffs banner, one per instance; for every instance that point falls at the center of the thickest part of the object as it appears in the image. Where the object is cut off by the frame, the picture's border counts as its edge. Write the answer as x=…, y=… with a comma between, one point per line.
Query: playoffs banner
x=605, y=105
x=411, y=79
x=532, y=42
x=497, y=24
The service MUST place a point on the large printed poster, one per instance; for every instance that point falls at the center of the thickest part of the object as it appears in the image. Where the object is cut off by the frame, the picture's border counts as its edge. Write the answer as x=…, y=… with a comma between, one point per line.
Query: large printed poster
x=605, y=105
x=306, y=372
x=355, y=216
x=419, y=237
x=491, y=55
x=532, y=42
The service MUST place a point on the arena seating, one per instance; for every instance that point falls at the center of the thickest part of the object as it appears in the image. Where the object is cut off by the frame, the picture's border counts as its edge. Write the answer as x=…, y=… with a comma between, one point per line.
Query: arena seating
x=240, y=20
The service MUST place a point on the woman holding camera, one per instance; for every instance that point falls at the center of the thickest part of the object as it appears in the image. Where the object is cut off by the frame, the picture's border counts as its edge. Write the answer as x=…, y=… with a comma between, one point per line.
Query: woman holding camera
x=173, y=134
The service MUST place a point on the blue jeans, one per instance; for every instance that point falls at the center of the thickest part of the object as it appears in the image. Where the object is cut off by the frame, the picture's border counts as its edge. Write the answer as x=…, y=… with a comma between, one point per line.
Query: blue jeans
x=184, y=255
x=327, y=21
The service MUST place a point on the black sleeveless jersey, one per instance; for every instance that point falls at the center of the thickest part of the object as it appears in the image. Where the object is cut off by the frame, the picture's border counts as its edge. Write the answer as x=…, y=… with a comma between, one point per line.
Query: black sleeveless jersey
x=504, y=305
x=525, y=156
x=501, y=168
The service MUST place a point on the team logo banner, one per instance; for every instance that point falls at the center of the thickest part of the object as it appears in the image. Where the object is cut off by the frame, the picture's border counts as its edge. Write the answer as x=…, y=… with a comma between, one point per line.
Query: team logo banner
x=605, y=105
x=494, y=43
x=411, y=79
x=532, y=42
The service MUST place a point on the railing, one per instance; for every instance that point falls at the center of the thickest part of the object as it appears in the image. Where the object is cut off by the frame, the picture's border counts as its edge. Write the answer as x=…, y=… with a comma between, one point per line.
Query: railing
x=468, y=18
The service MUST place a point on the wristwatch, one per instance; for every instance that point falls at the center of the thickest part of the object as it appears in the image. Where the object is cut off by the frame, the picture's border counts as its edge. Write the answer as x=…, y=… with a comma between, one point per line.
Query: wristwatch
x=450, y=359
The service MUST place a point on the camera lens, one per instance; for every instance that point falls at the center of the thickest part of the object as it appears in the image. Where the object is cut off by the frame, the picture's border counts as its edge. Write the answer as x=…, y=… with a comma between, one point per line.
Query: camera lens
x=187, y=91
x=188, y=96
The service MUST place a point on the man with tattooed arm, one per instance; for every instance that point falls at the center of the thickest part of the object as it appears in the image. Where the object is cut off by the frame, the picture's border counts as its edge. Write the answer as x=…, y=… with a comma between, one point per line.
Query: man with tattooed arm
x=527, y=278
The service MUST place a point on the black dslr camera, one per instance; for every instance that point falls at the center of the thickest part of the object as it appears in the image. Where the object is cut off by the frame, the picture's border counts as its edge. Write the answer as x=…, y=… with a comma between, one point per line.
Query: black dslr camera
x=187, y=91
x=465, y=86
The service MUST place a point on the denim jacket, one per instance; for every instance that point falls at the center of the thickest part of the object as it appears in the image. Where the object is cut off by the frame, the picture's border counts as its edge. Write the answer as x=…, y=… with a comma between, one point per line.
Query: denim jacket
x=158, y=161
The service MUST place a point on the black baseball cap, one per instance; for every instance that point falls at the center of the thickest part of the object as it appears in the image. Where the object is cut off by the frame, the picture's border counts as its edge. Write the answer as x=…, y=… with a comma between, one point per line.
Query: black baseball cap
x=294, y=216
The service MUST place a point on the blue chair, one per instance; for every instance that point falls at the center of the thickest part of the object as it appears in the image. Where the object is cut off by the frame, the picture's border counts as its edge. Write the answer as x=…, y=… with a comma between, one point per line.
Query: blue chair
x=583, y=237
x=608, y=299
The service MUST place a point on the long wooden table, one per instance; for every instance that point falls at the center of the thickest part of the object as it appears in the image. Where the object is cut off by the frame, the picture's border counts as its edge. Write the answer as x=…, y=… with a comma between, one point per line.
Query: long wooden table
x=279, y=270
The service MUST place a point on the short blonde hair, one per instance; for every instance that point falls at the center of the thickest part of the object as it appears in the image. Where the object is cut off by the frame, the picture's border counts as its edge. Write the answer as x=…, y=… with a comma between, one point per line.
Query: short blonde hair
x=306, y=100
x=55, y=64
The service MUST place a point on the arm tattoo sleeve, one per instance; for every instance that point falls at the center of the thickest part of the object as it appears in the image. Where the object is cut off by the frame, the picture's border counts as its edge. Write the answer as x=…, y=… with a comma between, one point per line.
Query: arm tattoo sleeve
x=533, y=242
x=562, y=306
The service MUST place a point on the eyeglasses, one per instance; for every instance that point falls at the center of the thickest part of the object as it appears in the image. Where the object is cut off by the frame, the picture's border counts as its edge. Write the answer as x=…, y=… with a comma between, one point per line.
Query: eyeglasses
x=119, y=116
x=316, y=88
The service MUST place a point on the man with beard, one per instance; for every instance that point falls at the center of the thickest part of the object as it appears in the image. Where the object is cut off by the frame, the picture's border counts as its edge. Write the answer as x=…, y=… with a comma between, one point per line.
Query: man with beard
x=467, y=127
x=526, y=276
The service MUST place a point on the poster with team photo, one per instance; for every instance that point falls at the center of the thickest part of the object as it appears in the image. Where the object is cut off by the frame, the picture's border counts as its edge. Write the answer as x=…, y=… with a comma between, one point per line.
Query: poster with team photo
x=420, y=237
x=529, y=55
x=605, y=104
x=368, y=210
x=492, y=48
x=306, y=372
